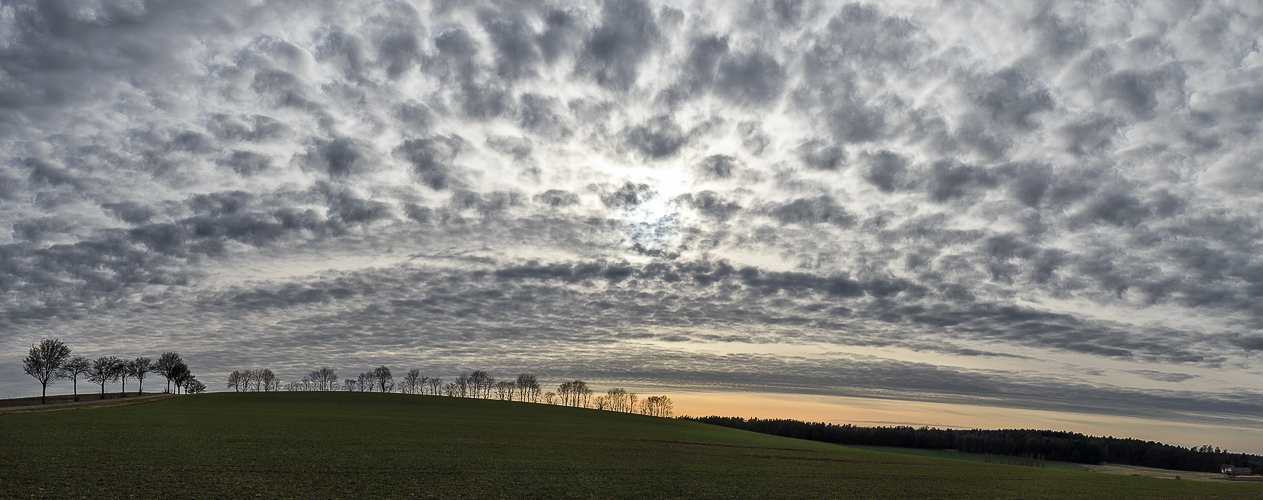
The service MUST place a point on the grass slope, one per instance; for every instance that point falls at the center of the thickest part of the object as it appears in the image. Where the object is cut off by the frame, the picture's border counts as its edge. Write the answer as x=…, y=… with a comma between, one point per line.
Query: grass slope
x=355, y=445
x=960, y=455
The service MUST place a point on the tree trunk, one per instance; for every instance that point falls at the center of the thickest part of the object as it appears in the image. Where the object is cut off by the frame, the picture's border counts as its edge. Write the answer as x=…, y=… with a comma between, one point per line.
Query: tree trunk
x=43, y=396
x=75, y=381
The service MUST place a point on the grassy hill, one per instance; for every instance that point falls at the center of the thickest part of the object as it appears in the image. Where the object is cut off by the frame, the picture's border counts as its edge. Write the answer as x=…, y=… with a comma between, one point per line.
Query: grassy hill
x=355, y=445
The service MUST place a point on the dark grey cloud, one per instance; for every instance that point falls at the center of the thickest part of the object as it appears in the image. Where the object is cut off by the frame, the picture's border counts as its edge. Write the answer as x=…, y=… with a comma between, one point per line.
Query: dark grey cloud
x=51, y=174
x=614, y=50
x=822, y=209
x=1030, y=182
x=656, y=138
x=704, y=55
x=755, y=77
x=711, y=204
x=886, y=170
x=863, y=34
x=1091, y=136
x=431, y=159
x=349, y=209
x=562, y=32
x=1163, y=376
x=220, y=203
x=557, y=198
x=1118, y=208
x=130, y=212
x=246, y=163
x=42, y=229
x=1137, y=93
x=949, y=180
x=820, y=155
x=542, y=115
x=1012, y=98
x=253, y=128
x=717, y=166
x=513, y=39
x=398, y=40
x=628, y=196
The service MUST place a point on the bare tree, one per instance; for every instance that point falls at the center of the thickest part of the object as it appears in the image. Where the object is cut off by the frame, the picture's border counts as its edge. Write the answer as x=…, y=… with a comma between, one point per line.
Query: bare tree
x=193, y=386
x=254, y=379
x=268, y=380
x=44, y=362
x=574, y=393
x=452, y=389
x=504, y=390
x=234, y=381
x=103, y=371
x=527, y=387
x=657, y=406
x=482, y=383
x=462, y=385
x=180, y=375
x=584, y=394
x=436, y=383
x=349, y=384
x=550, y=397
x=73, y=369
x=619, y=399
x=367, y=381
x=382, y=378
x=325, y=379
x=141, y=367
x=563, y=393
x=249, y=380
x=412, y=381
x=124, y=370
x=166, y=366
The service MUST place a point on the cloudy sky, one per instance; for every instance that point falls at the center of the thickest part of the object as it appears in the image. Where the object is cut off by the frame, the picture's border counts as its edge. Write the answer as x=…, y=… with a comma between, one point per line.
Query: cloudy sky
x=1028, y=205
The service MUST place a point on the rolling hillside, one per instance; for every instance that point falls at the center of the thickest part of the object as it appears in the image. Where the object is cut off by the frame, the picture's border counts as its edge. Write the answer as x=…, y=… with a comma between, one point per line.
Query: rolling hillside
x=358, y=445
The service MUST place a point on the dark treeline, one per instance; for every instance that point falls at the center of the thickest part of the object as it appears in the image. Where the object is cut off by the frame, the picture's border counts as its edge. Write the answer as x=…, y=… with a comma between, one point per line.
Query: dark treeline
x=52, y=360
x=476, y=384
x=1051, y=445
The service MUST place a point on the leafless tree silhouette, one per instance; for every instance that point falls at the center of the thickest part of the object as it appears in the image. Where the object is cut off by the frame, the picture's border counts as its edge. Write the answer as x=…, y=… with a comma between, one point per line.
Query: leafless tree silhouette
x=44, y=362
x=103, y=371
x=75, y=367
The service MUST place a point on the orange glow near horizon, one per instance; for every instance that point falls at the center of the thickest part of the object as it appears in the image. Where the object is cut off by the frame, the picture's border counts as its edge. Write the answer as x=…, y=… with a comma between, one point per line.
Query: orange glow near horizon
x=888, y=412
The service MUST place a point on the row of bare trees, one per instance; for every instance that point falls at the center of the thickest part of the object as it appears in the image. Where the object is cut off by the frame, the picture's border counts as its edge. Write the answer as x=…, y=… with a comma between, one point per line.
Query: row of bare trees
x=52, y=360
x=262, y=380
x=476, y=384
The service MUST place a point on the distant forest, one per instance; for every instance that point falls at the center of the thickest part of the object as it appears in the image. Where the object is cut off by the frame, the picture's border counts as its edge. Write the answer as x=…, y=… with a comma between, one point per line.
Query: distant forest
x=1050, y=445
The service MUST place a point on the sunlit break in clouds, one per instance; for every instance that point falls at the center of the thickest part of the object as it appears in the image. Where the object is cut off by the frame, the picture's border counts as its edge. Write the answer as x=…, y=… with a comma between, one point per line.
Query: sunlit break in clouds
x=1023, y=205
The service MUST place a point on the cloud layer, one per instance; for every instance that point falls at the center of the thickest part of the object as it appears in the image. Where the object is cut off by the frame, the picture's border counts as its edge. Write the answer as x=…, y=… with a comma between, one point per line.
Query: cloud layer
x=1019, y=204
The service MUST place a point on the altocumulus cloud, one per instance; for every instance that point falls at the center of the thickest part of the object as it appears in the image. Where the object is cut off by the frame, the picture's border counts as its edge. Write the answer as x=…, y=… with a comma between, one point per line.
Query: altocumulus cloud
x=1035, y=205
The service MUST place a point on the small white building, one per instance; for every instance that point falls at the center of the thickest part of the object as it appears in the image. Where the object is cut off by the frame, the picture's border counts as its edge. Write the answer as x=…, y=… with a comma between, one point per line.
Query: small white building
x=1231, y=472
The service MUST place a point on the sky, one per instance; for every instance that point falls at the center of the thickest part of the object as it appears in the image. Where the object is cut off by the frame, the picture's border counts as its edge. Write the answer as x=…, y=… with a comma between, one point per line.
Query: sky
x=1006, y=206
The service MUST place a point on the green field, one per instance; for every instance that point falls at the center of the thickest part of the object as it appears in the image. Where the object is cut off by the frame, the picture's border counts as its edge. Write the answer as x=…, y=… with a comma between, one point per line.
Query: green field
x=67, y=398
x=357, y=445
x=968, y=457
